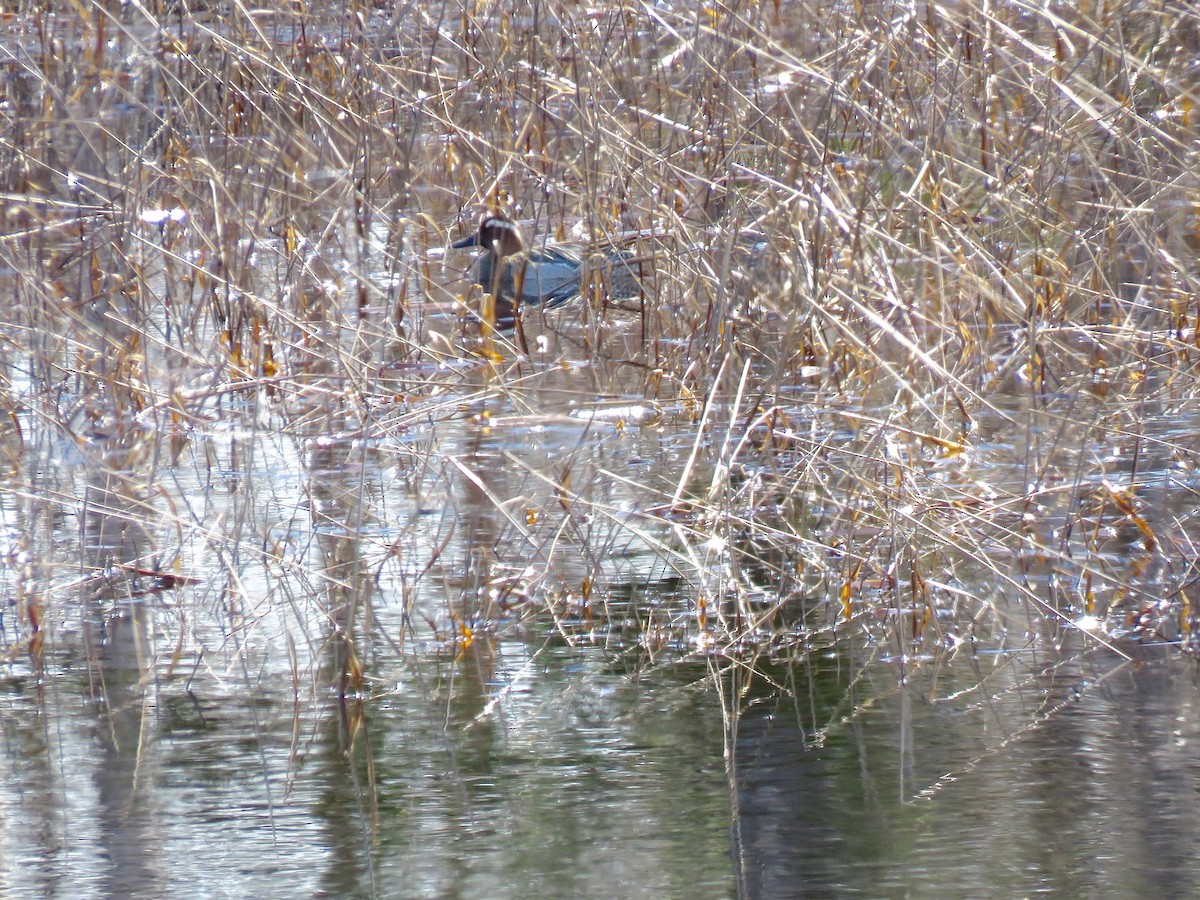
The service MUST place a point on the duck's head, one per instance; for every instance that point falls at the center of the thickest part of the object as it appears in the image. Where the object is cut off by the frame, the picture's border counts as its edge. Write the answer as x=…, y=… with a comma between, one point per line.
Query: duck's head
x=498, y=234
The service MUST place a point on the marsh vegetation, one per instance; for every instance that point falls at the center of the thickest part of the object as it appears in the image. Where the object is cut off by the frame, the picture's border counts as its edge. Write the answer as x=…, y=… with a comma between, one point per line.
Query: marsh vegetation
x=905, y=408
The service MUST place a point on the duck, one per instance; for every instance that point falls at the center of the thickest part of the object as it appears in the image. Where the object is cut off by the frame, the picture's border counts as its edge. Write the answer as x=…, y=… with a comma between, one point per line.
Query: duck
x=546, y=277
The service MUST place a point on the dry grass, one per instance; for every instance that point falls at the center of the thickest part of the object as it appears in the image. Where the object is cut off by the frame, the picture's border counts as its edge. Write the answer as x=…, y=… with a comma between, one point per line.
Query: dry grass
x=918, y=340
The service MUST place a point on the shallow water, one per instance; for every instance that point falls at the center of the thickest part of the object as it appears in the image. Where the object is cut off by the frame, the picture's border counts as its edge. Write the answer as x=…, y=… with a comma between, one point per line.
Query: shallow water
x=586, y=781
x=914, y=799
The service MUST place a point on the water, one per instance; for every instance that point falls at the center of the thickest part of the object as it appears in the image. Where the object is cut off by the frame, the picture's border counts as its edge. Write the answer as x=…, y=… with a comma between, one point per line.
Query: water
x=585, y=781
x=923, y=800
x=582, y=784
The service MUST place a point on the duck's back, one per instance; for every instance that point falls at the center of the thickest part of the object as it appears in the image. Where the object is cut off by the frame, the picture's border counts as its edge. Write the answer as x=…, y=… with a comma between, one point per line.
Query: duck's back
x=553, y=274
x=550, y=275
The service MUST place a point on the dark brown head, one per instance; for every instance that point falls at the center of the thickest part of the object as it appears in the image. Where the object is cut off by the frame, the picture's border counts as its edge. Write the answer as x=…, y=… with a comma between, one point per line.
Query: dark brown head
x=498, y=234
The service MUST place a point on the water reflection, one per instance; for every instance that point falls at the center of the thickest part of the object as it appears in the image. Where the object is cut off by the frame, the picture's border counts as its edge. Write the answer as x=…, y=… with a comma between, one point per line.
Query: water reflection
x=901, y=798
x=587, y=785
x=116, y=627
x=338, y=480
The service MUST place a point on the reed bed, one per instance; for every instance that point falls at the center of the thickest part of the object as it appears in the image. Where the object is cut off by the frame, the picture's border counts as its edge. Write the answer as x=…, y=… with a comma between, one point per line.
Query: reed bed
x=915, y=358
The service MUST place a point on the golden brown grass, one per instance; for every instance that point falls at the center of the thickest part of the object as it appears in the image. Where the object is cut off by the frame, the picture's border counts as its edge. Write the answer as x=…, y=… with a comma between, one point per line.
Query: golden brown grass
x=920, y=311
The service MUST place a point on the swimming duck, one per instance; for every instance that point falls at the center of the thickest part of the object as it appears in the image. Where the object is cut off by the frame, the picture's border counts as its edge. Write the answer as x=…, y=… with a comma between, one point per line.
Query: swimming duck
x=548, y=277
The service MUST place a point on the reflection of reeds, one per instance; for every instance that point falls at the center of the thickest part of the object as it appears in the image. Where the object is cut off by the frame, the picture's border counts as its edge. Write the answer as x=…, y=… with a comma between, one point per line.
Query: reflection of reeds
x=918, y=322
